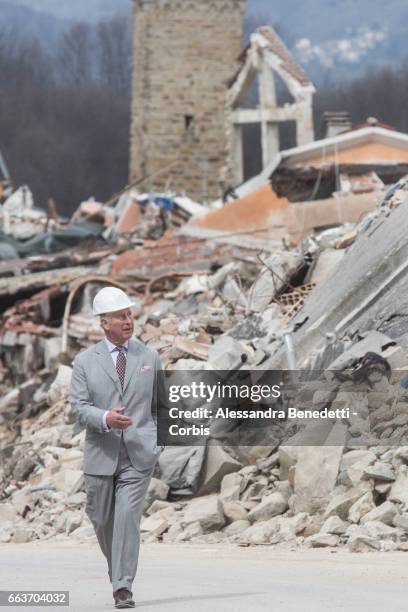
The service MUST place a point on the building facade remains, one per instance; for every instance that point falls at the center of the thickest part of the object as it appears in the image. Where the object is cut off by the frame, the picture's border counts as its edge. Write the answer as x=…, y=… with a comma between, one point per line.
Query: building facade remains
x=185, y=52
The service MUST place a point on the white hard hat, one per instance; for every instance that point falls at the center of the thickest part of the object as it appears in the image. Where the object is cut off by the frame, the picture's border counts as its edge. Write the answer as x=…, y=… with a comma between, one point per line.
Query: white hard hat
x=110, y=299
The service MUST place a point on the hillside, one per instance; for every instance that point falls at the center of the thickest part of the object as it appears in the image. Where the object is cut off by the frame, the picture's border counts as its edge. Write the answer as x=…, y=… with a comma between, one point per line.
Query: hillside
x=332, y=39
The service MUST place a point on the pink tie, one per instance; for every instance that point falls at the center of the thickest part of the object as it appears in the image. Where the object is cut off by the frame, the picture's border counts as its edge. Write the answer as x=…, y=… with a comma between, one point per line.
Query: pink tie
x=121, y=364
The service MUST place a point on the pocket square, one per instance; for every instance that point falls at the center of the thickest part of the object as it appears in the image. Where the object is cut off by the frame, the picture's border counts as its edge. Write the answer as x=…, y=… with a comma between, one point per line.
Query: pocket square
x=146, y=368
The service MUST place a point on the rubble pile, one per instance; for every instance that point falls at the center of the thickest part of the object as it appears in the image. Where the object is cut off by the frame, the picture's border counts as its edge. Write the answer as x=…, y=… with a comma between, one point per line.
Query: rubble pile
x=219, y=304
x=319, y=496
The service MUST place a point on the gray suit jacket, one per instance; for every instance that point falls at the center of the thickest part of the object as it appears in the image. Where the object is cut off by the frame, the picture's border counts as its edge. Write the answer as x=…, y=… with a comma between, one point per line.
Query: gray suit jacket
x=95, y=388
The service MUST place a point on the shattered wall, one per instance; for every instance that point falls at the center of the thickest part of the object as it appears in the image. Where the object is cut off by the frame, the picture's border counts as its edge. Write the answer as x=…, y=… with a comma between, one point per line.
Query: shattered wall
x=185, y=51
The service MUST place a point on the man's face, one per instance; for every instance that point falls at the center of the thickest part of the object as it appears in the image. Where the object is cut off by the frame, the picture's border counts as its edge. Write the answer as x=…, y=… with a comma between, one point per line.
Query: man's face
x=118, y=326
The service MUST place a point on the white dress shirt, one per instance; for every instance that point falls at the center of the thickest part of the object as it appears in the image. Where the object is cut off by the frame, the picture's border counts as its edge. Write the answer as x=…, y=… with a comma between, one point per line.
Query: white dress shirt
x=114, y=354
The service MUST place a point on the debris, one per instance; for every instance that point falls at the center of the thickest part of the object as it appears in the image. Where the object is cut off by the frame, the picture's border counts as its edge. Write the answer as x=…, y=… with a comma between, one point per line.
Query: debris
x=216, y=466
x=217, y=304
x=315, y=476
x=207, y=511
x=271, y=505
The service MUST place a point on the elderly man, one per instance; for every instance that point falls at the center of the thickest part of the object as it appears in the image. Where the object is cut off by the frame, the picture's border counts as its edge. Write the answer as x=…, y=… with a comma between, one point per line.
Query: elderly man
x=114, y=394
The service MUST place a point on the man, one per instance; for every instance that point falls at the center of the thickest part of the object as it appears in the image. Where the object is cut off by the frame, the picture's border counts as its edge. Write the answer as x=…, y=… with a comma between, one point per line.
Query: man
x=114, y=394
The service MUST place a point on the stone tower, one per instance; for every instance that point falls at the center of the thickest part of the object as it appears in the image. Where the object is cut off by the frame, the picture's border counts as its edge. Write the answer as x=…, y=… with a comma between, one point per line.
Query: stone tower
x=185, y=53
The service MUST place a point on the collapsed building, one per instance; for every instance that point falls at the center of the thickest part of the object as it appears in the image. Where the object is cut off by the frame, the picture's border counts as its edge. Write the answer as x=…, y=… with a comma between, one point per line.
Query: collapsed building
x=203, y=304
x=305, y=269
x=266, y=56
x=314, y=186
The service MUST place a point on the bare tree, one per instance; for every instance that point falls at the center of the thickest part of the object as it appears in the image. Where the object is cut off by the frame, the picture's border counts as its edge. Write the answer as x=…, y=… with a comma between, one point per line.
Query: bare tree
x=76, y=54
x=115, y=54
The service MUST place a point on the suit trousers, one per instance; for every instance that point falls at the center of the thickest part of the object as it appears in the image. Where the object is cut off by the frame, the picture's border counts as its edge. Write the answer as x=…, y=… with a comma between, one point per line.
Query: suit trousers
x=115, y=507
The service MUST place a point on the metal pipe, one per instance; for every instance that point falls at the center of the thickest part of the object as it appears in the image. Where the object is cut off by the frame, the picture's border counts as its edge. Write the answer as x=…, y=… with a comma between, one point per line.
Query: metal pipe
x=290, y=350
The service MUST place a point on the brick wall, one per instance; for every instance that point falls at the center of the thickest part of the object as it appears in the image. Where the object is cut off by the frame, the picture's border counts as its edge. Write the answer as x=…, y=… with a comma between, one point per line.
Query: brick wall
x=184, y=53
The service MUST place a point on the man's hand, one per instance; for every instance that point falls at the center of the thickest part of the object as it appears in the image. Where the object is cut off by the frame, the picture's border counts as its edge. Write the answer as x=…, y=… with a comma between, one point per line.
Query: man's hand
x=116, y=420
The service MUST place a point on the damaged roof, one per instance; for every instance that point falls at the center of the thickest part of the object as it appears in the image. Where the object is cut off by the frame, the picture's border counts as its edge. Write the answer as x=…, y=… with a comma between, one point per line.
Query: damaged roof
x=364, y=145
x=275, y=44
x=267, y=39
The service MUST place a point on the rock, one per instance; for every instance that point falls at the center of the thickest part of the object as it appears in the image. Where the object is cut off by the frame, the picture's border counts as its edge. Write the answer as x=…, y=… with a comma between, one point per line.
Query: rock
x=267, y=464
x=216, y=466
x=251, y=453
x=249, y=472
x=341, y=503
x=396, y=357
x=363, y=457
x=381, y=531
x=231, y=494
x=175, y=530
x=73, y=522
x=399, y=490
x=9, y=403
x=22, y=501
x=361, y=507
x=296, y=524
x=78, y=499
x=194, y=530
x=401, y=521
x=287, y=459
x=69, y=481
x=60, y=386
x=7, y=512
x=255, y=491
x=158, y=505
x=207, y=511
x=24, y=467
x=355, y=473
x=354, y=529
x=157, y=490
x=315, y=477
x=320, y=540
x=232, y=480
x=285, y=535
x=402, y=453
x=284, y=487
x=363, y=543
x=270, y=506
x=85, y=532
x=51, y=351
x=225, y=354
x=289, y=527
x=380, y=471
x=383, y=489
x=21, y=536
x=314, y=524
x=234, y=511
x=259, y=533
x=335, y=525
x=6, y=531
x=158, y=522
x=237, y=527
x=389, y=546
x=385, y=512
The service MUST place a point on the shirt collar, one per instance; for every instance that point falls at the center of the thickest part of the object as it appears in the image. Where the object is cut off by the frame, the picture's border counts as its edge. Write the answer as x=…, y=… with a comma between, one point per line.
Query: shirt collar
x=112, y=347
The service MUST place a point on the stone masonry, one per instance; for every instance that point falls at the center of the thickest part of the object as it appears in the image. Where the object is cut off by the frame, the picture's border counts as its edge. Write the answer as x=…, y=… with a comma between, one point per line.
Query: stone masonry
x=185, y=51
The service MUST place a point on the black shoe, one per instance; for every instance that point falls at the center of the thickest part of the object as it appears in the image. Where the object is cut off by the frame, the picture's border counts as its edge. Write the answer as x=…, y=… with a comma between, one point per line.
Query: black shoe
x=123, y=599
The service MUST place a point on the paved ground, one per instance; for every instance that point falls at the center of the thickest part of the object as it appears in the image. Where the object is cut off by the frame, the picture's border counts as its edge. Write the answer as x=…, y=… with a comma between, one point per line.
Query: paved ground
x=195, y=578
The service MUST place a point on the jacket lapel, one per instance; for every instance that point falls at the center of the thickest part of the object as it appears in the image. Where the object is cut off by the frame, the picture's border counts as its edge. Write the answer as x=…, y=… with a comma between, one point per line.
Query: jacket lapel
x=132, y=359
x=106, y=361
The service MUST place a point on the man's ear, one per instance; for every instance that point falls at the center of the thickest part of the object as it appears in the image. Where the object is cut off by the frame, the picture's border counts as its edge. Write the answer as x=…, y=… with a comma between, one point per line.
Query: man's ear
x=104, y=324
